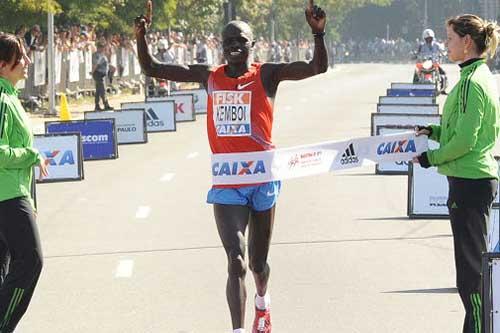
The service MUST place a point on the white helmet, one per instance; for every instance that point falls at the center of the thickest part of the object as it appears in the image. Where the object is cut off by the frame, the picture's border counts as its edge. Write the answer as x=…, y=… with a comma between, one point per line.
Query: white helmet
x=428, y=33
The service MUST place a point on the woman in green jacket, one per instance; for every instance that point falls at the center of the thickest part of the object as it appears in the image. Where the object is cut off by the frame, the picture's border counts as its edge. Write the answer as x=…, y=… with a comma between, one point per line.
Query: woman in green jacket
x=467, y=135
x=18, y=230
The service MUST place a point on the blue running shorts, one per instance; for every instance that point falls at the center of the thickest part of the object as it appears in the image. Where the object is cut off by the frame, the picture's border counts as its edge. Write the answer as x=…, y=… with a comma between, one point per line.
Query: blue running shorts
x=259, y=197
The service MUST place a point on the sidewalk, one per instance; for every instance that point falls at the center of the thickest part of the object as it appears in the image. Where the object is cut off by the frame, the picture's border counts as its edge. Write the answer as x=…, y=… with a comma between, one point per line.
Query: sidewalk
x=77, y=110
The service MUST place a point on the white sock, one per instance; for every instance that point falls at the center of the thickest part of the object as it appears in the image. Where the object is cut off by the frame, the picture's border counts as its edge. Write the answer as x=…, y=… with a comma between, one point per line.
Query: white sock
x=263, y=302
x=239, y=330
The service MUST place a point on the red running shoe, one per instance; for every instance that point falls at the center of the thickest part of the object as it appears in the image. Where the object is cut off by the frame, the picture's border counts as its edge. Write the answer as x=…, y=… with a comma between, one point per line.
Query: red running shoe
x=262, y=322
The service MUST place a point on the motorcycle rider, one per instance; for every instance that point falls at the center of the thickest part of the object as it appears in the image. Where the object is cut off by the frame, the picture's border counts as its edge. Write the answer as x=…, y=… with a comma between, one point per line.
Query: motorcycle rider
x=430, y=49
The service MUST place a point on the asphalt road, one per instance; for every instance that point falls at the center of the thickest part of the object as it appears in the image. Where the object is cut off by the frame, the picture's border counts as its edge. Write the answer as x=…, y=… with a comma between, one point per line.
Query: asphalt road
x=134, y=249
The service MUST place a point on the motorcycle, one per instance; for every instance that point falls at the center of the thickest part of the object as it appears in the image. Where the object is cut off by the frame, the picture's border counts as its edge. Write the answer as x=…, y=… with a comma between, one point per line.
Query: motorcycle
x=428, y=70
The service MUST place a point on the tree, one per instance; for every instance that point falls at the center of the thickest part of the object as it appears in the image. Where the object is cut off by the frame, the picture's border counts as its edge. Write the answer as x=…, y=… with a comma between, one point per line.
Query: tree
x=114, y=15
x=195, y=16
x=288, y=15
x=191, y=16
x=405, y=17
x=28, y=10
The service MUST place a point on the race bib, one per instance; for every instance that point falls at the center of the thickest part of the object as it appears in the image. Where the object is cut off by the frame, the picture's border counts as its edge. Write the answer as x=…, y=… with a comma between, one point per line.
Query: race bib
x=232, y=113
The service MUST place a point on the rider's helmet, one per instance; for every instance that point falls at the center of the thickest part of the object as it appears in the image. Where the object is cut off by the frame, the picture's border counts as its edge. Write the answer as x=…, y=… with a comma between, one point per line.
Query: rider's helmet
x=428, y=35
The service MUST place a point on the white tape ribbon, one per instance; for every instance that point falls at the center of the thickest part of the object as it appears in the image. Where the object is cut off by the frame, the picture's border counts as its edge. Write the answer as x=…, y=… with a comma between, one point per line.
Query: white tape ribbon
x=301, y=161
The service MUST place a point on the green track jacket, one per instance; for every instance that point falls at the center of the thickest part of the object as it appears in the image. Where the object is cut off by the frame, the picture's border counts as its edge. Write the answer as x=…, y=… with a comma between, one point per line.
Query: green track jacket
x=17, y=155
x=469, y=126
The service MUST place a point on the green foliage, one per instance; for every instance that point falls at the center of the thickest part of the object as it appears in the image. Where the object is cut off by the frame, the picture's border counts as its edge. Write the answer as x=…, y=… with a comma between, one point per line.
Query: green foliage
x=405, y=18
x=195, y=16
x=29, y=10
x=289, y=15
x=192, y=16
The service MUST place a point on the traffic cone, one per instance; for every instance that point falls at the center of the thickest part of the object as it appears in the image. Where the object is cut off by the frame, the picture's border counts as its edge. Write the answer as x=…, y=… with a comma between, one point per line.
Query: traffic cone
x=64, y=114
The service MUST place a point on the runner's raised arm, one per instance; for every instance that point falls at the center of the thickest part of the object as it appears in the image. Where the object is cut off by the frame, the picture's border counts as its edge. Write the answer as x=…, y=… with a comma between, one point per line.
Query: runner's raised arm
x=273, y=74
x=154, y=68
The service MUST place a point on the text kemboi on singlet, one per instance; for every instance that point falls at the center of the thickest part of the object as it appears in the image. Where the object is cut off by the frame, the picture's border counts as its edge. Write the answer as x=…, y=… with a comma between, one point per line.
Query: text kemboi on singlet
x=240, y=115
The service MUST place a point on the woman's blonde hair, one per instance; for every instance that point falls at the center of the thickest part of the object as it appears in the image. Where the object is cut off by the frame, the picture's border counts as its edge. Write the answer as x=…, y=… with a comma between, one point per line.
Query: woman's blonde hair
x=485, y=34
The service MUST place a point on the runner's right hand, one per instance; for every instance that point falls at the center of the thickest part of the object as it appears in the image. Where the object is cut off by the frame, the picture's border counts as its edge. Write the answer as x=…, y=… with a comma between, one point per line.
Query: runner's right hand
x=143, y=22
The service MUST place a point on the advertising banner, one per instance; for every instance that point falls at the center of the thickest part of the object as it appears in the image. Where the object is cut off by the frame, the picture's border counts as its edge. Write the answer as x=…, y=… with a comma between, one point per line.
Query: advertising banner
x=184, y=106
x=411, y=92
x=428, y=195
x=402, y=119
x=98, y=136
x=113, y=61
x=495, y=294
x=74, y=66
x=200, y=99
x=494, y=231
x=393, y=167
x=137, y=65
x=40, y=63
x=406, y=100
x=427, y=192
x=88, y=65
x=64, y=152
x=160, y=116
x=125, y=62
x=58, y=65
x=413, y=86
x=130, y=125
x=408, y=108
x=490, y=280
x=313, y=159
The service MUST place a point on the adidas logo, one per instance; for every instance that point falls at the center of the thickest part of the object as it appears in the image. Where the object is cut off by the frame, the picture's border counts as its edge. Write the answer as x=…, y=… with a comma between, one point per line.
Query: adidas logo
x=151, y=115
x=152, y=119
x=349, y=157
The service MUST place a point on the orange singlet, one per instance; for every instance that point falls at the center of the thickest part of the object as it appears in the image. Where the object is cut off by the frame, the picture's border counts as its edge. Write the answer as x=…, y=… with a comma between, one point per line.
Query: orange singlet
x=239, y=115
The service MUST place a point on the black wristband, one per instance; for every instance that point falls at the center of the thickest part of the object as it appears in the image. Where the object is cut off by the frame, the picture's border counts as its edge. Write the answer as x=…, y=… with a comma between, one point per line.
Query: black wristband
x=319, y=34
x=424, y=161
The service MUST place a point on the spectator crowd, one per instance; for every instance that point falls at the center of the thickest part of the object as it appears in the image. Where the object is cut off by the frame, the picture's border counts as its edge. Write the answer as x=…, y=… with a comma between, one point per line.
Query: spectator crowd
x=181, y=48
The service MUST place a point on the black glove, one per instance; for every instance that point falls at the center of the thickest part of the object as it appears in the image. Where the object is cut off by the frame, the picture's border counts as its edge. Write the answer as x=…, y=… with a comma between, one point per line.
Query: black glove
x=424, y=161
x=420, y=128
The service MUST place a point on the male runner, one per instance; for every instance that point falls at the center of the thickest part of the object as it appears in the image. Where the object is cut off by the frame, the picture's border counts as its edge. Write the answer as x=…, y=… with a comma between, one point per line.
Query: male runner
x=253, y=86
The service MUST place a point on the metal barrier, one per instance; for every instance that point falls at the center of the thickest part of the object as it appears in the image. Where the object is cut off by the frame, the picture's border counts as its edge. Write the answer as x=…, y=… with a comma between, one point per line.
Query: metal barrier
x=73, y=78
x=73, y=73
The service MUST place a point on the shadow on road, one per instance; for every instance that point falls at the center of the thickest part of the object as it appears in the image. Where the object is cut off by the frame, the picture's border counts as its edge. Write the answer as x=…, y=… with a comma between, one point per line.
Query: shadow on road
x=212, y=247
x=424, y=291
x=388, y=218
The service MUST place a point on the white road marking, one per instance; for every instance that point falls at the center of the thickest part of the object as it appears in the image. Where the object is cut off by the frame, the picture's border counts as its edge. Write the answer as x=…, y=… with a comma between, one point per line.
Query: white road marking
x=167, y=177
x=142, y=212
x=124, y=269
x=193, y=155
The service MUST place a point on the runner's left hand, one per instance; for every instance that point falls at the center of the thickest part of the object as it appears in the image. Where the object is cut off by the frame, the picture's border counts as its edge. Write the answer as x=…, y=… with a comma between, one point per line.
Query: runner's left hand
x=316, y=17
